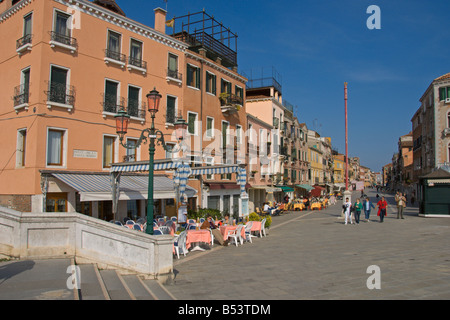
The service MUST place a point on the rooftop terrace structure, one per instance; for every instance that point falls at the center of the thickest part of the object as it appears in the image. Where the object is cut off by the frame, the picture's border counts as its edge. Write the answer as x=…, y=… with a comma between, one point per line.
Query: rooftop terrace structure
x=202, y=31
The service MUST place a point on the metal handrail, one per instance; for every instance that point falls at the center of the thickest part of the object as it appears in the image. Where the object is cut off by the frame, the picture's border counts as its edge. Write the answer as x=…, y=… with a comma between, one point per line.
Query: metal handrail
x=64, y=39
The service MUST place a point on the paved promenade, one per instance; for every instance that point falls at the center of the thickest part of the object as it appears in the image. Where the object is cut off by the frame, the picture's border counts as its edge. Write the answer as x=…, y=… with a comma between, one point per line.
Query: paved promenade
x=313, y=255
x=306, y=255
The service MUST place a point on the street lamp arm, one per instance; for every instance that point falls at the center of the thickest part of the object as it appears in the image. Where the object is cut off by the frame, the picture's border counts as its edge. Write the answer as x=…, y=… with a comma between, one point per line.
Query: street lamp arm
x=142, y=138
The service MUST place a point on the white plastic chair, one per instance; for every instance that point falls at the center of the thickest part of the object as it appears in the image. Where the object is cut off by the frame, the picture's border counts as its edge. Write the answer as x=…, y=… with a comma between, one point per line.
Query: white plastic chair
x=180, y=244
x=248, y=231
x=236, y=235
x=263, y=229
x=165, y=229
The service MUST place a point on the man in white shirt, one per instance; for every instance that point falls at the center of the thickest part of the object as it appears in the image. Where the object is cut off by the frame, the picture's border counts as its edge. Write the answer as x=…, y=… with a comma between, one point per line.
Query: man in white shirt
x=347, y=208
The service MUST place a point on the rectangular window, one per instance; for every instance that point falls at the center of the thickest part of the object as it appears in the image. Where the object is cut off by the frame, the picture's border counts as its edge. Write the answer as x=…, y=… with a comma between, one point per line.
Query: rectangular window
x=209, y=127
x=27, y=25
x=111, y=96
x=134, y=94
x=239, y=92
x=192, y=123
x=193, y=76
x=171, y=109
x=238, y=134
x=55, y=146
x=225, y=86
x=131, y=152
x=211, y=83
x=444, y=93
x=58, y=85
x=169, y=153
x=21, y=147
x=136, y=53
x=113, y=47
x=108, y=151
x=225, y=126
x=136, y=49
x=62, y=25
x=172, y=68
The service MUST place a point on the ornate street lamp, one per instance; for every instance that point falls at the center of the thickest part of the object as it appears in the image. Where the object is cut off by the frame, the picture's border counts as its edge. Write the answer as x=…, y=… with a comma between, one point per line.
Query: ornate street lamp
x=122, y=119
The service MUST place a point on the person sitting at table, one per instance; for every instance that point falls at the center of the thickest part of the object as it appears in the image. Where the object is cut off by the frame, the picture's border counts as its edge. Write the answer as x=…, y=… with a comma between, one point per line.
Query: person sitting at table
x=209, y=224
x=266, y=208
x=227, y=221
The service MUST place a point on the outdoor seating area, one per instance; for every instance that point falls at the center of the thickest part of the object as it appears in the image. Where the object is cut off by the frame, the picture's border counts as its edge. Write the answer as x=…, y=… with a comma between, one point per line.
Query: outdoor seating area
x=190, y=237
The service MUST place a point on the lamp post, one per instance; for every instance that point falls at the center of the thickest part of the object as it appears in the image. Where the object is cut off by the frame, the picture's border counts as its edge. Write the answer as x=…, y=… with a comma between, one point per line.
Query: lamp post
x=122, y=120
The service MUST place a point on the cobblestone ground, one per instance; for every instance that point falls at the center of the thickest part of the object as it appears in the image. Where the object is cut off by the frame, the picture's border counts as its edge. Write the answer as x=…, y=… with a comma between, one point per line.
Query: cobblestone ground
x=313, y=255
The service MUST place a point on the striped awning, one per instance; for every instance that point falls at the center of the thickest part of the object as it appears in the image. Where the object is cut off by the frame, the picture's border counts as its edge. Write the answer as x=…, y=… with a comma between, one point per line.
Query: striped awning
x=141, y=166
x=97, y=187
x=182, y=170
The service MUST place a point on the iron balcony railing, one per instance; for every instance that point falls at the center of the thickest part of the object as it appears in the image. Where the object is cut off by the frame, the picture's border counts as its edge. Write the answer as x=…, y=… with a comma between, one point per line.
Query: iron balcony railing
x=114, y=55
x=112, y=103
x=64, y=39
x=170, y=116
x=21, y=95
x=138, y=63
x=174, y=74
x=61, y=93
x=23, y=41
x=136, y=108
x=230, y=99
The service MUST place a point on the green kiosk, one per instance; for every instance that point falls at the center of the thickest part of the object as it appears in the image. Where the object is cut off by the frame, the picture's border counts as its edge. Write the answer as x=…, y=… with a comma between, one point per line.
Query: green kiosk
x=435, y=189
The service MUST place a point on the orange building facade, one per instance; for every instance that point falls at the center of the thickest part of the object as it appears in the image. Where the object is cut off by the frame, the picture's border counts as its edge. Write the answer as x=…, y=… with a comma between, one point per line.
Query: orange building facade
x=67, y=68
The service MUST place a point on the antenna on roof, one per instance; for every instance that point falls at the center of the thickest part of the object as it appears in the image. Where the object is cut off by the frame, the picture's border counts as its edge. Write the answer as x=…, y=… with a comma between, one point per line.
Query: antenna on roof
x=166, y=4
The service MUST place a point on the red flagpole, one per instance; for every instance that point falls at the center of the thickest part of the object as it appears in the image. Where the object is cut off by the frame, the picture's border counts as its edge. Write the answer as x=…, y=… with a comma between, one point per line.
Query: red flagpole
x=346, y=138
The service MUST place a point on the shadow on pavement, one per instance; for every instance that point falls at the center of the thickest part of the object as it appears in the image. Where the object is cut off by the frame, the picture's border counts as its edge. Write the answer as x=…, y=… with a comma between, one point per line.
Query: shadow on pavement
x=10, y=270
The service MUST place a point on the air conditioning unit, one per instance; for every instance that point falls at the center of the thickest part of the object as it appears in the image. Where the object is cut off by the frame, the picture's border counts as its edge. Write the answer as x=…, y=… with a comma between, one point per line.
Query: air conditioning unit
x=447, y=100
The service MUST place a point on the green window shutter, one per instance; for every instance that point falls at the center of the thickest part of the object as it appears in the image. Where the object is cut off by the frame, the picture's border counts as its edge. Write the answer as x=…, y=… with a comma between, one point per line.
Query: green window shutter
x=442, y=94
x=197, y=78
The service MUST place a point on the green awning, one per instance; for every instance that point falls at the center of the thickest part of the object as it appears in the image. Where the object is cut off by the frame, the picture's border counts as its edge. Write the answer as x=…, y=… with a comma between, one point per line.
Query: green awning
x=286, y=189
x=305, y=186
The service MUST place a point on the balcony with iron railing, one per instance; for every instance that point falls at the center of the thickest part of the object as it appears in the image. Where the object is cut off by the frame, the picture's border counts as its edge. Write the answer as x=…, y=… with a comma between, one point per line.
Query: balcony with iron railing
x=63, y=41
x=60, y=95
x=115, y=57
x=137, y=64
x=174, y=75
x=21, y=96
x=23, y=44
x=112, y=103
x=230, y=102
x=136, y=108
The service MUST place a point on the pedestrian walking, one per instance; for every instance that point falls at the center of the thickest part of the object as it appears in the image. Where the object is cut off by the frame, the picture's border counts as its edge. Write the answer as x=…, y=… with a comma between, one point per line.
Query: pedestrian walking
x=358, y=207
x=401, y=204
x=368, y=205
x=382, y=208
x=347, y=210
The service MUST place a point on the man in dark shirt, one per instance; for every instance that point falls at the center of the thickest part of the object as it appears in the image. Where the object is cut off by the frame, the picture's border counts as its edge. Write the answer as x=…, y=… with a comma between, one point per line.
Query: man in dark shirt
x=209, y=224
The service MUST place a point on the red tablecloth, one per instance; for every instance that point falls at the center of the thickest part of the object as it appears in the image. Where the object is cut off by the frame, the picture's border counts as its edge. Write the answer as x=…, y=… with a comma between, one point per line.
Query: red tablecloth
x=224, y=230
x=256, y=226
x=197, y=236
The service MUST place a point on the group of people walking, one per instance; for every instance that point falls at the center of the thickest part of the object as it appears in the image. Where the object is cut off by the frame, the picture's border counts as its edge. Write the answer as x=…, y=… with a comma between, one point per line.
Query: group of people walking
x=367, y=206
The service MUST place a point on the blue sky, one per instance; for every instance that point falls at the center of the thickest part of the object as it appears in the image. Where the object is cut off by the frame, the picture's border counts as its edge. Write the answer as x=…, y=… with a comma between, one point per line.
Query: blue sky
x=317, y=45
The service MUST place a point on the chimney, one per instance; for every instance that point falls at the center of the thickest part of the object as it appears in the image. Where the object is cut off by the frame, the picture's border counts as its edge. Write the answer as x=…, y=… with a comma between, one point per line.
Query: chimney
x=160, y=20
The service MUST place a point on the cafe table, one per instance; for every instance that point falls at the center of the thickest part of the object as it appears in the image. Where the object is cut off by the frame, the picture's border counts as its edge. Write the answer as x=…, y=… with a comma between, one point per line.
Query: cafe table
x=193, y=236
x=224, y=229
